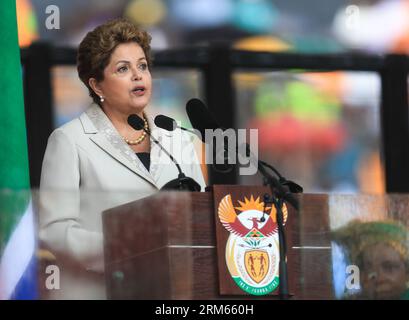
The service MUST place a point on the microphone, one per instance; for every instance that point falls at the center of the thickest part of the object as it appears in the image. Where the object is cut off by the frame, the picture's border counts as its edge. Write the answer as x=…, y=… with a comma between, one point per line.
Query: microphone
x=165, y=122
x=202, y=119
x=169, y=123
x=182, y=182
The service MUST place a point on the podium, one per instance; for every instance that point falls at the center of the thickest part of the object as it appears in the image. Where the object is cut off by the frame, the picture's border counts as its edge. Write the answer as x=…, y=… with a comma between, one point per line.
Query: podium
x=165, y=247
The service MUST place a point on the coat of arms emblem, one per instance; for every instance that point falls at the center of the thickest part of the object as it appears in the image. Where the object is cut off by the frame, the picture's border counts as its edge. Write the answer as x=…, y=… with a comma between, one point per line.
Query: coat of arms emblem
x=252, y=253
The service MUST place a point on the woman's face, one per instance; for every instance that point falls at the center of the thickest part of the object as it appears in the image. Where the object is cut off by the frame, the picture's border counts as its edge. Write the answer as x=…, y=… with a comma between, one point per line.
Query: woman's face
x=384, y=273
x=127, y=84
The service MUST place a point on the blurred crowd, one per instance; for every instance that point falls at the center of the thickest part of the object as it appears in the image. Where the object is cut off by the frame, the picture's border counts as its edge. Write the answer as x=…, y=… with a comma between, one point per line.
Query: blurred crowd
x=321, y=128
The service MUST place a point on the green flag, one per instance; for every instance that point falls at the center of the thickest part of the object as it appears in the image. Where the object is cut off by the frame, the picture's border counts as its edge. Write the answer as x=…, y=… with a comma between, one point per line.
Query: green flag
x=13, y=145
x=16, y=221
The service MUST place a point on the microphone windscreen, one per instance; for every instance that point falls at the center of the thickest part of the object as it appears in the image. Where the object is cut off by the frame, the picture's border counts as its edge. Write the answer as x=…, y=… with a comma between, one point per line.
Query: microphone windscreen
x=136, y=122
x=165, y=122
x=200, y=117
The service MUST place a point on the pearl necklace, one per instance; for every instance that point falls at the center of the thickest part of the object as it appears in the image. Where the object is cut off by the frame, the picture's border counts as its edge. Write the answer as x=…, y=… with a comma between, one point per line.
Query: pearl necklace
x=142, y=136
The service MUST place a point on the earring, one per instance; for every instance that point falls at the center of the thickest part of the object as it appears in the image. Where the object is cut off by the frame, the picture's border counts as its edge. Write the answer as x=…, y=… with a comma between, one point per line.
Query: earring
x=101, y=98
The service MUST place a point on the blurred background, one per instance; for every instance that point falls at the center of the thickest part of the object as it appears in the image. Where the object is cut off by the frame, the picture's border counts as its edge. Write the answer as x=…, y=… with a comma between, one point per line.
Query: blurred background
x=321, y=129
x=325, y=82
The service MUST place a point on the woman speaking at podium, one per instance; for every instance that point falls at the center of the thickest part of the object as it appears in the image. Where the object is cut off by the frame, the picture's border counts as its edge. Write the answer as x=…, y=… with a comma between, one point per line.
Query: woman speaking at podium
x=98, y=161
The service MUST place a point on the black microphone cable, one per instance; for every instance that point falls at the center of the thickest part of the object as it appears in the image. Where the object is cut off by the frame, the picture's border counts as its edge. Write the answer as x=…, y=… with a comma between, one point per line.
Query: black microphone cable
x=182, y=182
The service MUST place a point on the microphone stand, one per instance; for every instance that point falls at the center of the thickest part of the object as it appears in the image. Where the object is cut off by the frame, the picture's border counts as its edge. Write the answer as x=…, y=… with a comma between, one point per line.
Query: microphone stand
x=277, y=198
x=279, y=194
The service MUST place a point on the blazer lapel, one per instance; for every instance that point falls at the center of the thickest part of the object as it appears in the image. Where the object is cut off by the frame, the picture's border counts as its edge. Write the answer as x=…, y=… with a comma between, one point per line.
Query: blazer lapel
x=104, y=134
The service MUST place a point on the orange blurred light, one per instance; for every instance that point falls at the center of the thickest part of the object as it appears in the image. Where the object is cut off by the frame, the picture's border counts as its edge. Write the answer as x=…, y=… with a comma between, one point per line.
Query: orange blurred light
x=26, y=23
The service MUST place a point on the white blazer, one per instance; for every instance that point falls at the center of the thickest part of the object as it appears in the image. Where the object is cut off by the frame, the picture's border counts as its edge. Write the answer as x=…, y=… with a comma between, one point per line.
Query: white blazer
x=88, y=168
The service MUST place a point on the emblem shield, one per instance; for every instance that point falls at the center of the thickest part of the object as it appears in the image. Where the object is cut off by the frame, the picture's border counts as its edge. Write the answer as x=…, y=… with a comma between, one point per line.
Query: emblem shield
x=257, y=264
